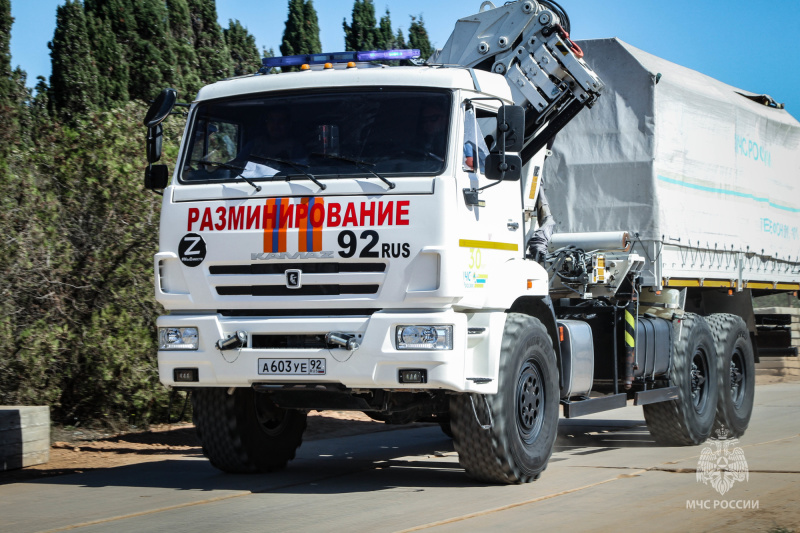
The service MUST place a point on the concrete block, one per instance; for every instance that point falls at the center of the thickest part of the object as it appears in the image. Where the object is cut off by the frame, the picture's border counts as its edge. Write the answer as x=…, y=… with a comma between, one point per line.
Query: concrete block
x=778, y=311
x=24, y=436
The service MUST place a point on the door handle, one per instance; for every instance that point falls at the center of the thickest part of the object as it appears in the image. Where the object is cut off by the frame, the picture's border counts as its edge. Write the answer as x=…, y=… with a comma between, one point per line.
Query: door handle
x=513, y=226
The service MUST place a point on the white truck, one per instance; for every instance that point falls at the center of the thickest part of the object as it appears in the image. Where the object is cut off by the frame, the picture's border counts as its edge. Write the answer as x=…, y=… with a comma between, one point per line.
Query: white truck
x=354, y=236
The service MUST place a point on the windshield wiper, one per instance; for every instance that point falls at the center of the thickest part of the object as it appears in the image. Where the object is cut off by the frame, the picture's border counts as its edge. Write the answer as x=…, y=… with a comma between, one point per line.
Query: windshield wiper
x=229, y=167
x=296, y=166
x=359, y=163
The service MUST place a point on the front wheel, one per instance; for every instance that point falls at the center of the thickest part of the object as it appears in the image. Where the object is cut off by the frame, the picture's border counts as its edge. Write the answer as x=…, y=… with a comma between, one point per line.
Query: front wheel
x=524, y=412
x=245, y=432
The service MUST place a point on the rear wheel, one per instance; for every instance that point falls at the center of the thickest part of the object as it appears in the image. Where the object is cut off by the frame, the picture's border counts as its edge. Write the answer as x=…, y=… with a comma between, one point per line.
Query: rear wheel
x=245, y=432
x=736, y=373
x=524, y=412
x=694, y=369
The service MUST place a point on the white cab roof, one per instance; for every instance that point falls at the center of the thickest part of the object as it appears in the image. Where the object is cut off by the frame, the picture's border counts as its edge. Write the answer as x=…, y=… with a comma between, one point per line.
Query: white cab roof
x=435, y=77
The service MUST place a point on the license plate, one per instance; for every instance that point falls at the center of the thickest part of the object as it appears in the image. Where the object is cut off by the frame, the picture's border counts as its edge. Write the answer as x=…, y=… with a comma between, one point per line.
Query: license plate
x=291, y=367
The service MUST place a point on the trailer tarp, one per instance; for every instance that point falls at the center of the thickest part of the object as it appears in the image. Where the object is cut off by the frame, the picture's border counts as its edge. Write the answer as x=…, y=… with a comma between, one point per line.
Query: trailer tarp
x=673, y=154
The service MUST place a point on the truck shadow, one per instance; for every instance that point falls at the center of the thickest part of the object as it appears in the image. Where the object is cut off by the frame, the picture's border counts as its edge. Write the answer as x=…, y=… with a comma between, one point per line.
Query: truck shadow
x=587, y=436
x=400, y=460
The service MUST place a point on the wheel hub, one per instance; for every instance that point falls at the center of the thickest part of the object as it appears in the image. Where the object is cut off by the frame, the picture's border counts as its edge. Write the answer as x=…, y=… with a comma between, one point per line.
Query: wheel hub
x=530, y=402
x=698, y=380
x=737, y=379
x=271, y=418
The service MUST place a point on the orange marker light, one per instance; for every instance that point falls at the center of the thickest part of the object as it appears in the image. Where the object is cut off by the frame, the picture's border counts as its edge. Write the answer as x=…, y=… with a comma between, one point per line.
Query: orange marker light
x=304, y=67
x=530, y=284
x=561, y=333
x=351, y=64
x=730, y=292
x=328, y=65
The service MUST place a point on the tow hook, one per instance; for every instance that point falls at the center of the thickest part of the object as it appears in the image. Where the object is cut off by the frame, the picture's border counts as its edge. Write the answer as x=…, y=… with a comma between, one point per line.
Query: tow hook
x=237, y=340
x=343, y=340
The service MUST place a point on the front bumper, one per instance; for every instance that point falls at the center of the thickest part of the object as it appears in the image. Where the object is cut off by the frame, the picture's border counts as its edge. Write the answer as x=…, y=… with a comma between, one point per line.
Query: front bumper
x=375, y=365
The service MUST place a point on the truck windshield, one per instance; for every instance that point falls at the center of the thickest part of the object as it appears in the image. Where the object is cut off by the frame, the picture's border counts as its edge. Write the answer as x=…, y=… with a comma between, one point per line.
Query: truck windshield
x=388, y=132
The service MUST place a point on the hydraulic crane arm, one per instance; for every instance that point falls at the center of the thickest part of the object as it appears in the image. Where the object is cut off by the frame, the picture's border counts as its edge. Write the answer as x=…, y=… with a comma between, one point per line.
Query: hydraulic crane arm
x=528, y=42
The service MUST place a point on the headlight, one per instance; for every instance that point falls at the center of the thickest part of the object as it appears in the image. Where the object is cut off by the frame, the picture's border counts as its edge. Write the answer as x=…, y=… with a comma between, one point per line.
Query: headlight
x=177, y=338
x=424, y=337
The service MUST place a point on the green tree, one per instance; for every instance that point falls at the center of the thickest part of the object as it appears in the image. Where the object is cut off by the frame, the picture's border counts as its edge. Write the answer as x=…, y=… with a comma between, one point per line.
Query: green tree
x=301, y=33
x=399, y=39
x=311, y=31
x=361, y=34
x=386, y=37
x=150, y=51
x=187, y=78
x=6, y=83
x=213, y=56
x=242, y=45
x=73, y=82
x=108, y=55
x=418, y=37
x=76, y=303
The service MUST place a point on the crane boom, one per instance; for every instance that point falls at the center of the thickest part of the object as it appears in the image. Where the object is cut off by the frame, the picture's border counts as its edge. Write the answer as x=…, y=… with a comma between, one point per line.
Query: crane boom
x=526, y=41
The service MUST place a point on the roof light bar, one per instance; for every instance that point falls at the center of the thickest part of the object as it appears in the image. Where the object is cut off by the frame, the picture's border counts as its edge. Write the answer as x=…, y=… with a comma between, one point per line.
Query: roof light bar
x=388, y=55
x=339, y=57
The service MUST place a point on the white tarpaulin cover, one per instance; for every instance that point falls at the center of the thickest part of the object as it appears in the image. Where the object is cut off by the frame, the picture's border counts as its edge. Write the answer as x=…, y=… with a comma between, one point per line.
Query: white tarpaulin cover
x=673, y=154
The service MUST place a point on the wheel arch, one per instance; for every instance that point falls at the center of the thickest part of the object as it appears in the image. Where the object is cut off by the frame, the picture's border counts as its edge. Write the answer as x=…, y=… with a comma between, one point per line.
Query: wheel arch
x=541, y=308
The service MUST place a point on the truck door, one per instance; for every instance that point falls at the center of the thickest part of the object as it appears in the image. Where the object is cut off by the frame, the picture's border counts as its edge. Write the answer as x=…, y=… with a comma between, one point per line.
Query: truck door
x=491, y=230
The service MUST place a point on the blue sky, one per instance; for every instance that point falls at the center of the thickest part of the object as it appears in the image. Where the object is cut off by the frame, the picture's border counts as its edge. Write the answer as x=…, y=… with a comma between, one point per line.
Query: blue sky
x=752, y=46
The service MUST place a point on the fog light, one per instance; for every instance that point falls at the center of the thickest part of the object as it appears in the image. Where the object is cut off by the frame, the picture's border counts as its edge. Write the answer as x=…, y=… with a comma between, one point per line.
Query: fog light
x=413, y=376
x=185, y=374
x=424, y=337
x=177, y=338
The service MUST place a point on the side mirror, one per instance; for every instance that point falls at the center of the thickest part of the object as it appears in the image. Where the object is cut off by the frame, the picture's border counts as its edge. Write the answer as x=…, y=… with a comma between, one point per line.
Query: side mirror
x=505, y=167
x=156, y=177
x=155, y=136
x=160, y=108
x=511, y=127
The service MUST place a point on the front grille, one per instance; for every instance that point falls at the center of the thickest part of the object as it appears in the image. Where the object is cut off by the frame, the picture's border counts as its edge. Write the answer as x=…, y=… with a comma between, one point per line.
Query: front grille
x=268, y=279
x=288, y=342
x=306, y=290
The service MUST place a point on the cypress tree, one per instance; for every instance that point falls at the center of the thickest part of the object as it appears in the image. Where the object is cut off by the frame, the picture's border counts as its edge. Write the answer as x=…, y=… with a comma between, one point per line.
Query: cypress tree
x=242, y=45
x=109, y=58
x=6, y=83
x=73, y=81
x=120, y=18
x=386, y=38
x=418, y=37
x=361, y=34
x=311, y=32
x=301, y=33
x=187, y=78
x=152, y=62
x=214, y=59
x=293, y=42
x=399, y=39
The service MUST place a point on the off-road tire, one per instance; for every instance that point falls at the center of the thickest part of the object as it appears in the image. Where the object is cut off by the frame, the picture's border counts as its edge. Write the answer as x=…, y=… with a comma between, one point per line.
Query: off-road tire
x=445, y=425
x=694, y=368
x=737, y=380
x=524, y=412
x=245, y=432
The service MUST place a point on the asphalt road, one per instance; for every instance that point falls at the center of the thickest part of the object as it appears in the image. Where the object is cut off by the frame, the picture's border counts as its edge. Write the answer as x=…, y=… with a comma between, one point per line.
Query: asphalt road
x=606, y=474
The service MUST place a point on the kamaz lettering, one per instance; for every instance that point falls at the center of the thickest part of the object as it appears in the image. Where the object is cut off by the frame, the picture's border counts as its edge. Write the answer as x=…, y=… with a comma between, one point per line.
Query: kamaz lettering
x=285, y=213
x=324, y=254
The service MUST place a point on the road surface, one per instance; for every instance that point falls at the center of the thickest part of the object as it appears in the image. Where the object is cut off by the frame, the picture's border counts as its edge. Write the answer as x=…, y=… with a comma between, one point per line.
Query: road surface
x=606, y=473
